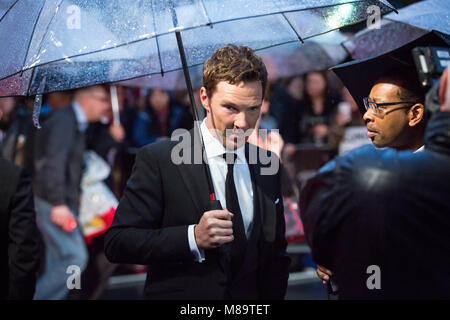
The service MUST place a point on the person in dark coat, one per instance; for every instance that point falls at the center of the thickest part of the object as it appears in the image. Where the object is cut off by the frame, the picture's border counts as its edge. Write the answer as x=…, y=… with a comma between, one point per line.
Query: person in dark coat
x=19, y=245
x=379, y=219
x=164, y=220
x=58, y=164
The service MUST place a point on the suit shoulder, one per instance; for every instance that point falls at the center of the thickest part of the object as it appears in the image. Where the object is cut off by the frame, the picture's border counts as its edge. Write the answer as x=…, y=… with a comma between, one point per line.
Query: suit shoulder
x=64, y=115
x=157, y=150
x=9, y=168
x=11, y=173
x=261, y=154
x=157, y=147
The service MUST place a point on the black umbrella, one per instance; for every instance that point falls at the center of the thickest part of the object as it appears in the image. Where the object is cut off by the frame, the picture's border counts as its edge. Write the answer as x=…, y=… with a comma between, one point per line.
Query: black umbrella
x=396, y=30
x=359, y=75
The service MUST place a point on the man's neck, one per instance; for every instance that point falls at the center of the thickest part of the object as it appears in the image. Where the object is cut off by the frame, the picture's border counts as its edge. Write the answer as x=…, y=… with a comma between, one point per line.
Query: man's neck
x=317, y=104
x=416, y=145
x=212, y=129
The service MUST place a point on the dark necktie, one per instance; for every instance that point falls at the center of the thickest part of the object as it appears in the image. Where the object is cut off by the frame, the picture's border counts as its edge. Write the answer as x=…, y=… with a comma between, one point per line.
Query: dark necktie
x=239, y=244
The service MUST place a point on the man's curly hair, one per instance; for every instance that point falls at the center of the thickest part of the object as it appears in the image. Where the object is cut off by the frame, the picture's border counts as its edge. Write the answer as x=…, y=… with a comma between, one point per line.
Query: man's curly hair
x=233, y=64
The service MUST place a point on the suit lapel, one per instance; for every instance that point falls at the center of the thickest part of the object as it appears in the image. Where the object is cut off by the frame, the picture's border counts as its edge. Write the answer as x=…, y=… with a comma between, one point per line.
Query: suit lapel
x=266, y=205
x=194, y=177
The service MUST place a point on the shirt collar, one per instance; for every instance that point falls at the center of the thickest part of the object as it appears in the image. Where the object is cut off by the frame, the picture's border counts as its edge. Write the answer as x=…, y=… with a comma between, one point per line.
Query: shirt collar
x=422, y=148
x=214, y=148
x=81, y=117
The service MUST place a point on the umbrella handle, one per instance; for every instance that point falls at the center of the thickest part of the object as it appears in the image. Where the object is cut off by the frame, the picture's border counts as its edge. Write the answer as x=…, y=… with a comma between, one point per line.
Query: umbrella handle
x=214, y=205
x=115, y=105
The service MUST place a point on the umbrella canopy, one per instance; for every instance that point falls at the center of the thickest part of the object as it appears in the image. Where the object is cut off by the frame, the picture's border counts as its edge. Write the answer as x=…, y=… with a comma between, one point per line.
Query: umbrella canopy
x=95, y=42
x=411, y=23
x=319, y=53
x=158, y=36
x=359, y=75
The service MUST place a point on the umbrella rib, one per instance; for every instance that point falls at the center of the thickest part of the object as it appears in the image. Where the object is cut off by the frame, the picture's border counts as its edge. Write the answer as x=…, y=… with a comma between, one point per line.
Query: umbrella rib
x=156, y=38
x=48, y=25
x=345, y=48
x=190, y=28
x=40, y=44
x=205, y=13
x=170, y=70
x=151, y=73
x=393, y=8
x=28, y=49
x=32, y=32
x=292, y=27
x=6, y=12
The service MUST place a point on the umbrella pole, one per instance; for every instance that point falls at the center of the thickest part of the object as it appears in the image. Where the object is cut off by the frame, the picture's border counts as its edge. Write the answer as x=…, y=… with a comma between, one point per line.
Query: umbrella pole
x=215, y=204
x=115, y=105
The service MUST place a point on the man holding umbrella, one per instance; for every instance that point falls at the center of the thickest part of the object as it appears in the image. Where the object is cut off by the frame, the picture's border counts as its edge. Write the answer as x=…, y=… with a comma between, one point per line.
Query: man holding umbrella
x=165, y=221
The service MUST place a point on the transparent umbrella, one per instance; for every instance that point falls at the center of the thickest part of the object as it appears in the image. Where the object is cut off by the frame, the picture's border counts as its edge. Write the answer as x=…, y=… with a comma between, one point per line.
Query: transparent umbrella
x=64, y=44
x=396, y=30
x=94, y=41
x=319, y=53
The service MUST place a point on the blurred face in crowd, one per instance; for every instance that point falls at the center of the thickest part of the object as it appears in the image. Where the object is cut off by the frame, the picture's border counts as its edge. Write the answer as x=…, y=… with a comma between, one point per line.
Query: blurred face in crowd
x=59, y=99
x=265, y=107
x=394, y=126
x=235, y=107
x=315, y=84
x=94, y=101
x=159, y=100
x=347, y=97
x=295, y=88
x=6, y=106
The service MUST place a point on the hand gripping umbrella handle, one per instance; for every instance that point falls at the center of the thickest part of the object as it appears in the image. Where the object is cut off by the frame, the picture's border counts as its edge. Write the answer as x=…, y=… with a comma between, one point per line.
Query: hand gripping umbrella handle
x=214, y=205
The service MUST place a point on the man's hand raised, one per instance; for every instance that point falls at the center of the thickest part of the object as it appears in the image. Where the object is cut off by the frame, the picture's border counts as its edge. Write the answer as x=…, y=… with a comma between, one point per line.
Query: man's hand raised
x=214, y=229
x=324, y=274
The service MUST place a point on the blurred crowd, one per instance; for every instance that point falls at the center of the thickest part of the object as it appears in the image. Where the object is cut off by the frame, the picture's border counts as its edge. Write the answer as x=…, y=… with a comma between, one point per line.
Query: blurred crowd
x=312, y=113
x=311, y=110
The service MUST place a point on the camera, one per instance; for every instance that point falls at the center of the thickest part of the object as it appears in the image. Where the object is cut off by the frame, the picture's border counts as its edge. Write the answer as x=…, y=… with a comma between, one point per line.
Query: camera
x=430, y=63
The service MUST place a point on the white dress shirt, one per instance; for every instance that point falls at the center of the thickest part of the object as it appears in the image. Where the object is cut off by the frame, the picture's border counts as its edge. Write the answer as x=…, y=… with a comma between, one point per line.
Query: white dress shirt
x=422, y=148
x=218, y=168
x=81, y=117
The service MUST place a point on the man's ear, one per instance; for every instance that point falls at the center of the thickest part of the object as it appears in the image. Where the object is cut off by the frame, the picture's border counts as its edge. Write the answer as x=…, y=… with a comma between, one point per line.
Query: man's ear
x=416, y=114
x=204, y=99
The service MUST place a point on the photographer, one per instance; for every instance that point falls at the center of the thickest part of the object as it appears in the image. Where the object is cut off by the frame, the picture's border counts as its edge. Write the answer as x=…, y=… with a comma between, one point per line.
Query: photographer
x=379, y=218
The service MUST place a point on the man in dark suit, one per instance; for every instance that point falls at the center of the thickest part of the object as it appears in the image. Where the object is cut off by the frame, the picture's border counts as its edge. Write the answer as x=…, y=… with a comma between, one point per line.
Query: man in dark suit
x=379, y=219
x=164, y=219
x=395, y=117
x=19, y=246
x=59, y=148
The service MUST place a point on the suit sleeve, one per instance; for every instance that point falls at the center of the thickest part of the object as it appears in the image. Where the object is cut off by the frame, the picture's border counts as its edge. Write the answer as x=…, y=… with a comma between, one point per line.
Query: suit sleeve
x=23, y=246
x=317, y=201
x=136, y=235
x=60, y=139
x=277, y=269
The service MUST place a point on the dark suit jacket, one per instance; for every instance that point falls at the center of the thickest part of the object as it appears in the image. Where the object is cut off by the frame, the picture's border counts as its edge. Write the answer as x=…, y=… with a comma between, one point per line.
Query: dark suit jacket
x=385, y=208
x=151, y=228
x=19, y=250
x=59, y=148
